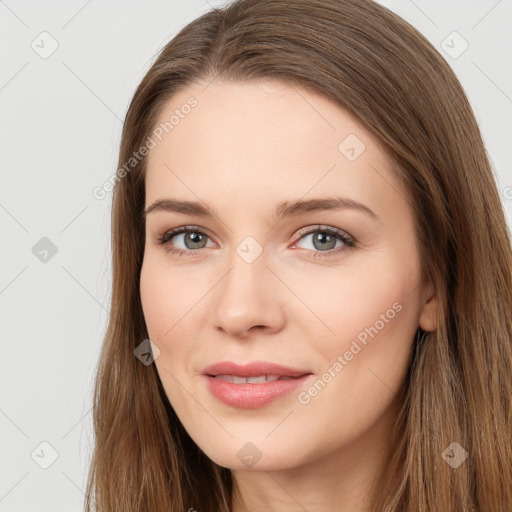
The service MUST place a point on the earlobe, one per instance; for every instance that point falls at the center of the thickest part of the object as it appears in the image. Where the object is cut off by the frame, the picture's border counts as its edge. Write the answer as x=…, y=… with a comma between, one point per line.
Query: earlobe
x=428, y=314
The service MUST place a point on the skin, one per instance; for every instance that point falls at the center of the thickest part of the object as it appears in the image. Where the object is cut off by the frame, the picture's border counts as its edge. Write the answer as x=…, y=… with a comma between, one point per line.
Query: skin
x=241, y=150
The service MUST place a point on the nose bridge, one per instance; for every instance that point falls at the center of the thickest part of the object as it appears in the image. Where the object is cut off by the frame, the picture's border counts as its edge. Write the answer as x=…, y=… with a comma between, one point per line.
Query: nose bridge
x=248, y=276
x=246, y=297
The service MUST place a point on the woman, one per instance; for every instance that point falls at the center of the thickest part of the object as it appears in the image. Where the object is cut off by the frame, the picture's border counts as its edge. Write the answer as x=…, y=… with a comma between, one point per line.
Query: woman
x=370, y=374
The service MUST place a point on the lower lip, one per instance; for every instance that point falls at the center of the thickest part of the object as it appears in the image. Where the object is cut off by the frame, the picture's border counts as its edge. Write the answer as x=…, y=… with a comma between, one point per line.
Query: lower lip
x=252, y=396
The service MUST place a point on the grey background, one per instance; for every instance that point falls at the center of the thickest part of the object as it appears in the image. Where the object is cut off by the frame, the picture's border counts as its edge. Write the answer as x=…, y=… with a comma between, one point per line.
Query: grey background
x=61, y=117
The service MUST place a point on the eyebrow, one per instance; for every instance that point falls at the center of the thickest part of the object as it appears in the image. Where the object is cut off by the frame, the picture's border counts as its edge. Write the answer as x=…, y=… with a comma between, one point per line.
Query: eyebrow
x=282, y=209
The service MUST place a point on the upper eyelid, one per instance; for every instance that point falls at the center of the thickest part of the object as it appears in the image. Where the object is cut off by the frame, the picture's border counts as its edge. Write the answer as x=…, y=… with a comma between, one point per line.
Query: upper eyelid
x=324, y=227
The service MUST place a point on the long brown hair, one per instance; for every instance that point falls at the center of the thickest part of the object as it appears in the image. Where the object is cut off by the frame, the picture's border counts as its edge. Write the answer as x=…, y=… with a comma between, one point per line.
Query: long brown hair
x=378, y=67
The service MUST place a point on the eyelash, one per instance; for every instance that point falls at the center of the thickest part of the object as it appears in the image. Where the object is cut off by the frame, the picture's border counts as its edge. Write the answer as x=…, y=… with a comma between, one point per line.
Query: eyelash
x=349, y=242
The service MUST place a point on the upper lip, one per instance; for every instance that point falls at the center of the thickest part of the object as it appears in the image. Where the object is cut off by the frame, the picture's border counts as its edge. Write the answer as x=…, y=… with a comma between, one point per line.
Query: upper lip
x=253, y=369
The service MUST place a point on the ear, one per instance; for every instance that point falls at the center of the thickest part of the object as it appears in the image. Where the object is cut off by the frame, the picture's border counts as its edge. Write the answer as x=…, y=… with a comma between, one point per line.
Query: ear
x=429, y=310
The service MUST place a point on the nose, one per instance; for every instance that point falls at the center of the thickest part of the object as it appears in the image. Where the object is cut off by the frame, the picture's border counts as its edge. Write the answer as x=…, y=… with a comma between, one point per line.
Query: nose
x=248, y=298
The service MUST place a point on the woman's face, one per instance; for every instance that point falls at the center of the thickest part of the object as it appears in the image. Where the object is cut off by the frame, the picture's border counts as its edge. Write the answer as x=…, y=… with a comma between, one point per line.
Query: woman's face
x=260, y=280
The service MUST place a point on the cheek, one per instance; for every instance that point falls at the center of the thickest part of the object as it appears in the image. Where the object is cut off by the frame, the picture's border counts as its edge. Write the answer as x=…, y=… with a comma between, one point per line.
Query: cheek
x=374, y=315
x=349, y=299
x=156, y=297
x=175, y=308
x=369, y=315
x=166, y=298
x=165, y=303
x=153, y=299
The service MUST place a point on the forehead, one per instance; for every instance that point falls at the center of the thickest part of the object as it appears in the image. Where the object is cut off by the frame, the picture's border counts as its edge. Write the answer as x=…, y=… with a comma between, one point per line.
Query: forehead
x=262, y=139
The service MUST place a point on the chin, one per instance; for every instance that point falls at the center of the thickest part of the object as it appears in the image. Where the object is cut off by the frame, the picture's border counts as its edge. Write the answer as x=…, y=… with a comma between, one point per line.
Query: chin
x=257, y=456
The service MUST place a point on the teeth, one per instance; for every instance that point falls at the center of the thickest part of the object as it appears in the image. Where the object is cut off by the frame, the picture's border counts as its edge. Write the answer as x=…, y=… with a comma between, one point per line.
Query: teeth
x=250, y=380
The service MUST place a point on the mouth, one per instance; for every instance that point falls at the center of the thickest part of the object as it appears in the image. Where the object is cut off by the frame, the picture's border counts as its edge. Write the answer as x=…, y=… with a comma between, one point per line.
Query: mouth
x=254, y=370
x=261, y=379
x=253, y=385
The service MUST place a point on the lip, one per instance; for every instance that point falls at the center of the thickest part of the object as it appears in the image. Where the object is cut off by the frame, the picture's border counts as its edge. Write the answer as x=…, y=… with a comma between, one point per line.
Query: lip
x=253, y=369
x=252, y=396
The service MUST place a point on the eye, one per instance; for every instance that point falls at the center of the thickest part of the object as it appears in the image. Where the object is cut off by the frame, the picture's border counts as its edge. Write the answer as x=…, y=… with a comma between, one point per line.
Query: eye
x=328, y=240
x=325, y=240
x=190, y=237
